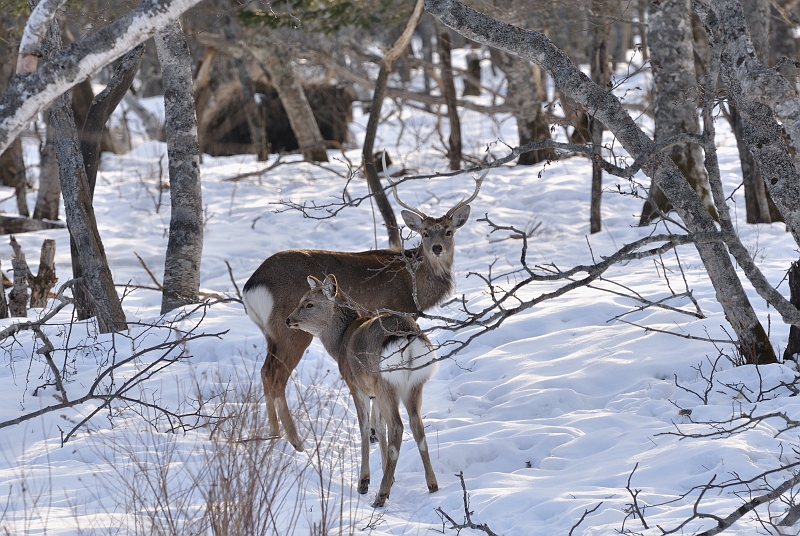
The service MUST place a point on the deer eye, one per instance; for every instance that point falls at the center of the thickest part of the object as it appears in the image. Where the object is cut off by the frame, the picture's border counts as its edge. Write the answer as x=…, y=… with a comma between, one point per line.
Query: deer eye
x=309, y=305
x=425, y=235
x=449, y=233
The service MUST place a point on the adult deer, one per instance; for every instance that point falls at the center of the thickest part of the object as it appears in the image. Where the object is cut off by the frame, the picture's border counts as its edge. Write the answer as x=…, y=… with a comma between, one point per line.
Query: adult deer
x=382, y=357
x=408, y=281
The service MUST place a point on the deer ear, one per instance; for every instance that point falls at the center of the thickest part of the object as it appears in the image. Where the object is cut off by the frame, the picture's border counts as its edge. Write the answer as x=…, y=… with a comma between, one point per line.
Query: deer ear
x=330, y=287
x=413, y=221
x=461, y=216
x=313, y=282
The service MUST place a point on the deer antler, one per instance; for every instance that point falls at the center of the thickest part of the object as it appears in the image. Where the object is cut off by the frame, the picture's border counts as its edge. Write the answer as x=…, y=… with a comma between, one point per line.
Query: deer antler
x=416, y=211
x=478, y=183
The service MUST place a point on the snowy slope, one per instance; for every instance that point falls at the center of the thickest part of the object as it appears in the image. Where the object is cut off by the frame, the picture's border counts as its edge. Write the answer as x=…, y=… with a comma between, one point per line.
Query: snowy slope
x=546, y=417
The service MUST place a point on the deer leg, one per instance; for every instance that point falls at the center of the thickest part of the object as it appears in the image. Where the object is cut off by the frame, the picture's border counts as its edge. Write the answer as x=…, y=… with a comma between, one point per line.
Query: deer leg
x=391, y=413
x=380, y=433
x=413, y=405
x=269, y=397
x=362, y=404
x=276, y=372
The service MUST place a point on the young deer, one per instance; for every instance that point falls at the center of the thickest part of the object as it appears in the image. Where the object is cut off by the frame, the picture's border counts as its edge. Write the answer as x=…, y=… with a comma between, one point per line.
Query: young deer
x=381, y=357
x=409, y=281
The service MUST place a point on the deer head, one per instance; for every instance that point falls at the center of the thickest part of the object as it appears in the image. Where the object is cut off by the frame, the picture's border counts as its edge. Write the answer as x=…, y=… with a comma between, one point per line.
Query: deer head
x=438, y=243
x=317, y=306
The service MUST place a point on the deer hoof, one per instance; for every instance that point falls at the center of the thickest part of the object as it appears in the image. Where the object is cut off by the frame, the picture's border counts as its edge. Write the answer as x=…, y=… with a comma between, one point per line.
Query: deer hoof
x=433, y=488
x=363, y=486
x=380, y=500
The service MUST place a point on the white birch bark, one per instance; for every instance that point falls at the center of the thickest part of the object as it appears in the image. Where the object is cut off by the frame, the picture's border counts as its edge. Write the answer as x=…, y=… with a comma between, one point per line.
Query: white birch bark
x=669, y=33
x=30, y=93
x=185, y=247
x=608, y=109
x=30, y=44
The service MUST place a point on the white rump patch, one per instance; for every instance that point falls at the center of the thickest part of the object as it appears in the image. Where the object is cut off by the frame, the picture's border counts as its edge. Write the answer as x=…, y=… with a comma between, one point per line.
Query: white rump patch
x=401, y=355
x=258, y=303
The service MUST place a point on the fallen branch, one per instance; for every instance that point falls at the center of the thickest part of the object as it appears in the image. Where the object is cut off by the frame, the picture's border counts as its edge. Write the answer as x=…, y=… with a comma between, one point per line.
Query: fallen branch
x=468, y=523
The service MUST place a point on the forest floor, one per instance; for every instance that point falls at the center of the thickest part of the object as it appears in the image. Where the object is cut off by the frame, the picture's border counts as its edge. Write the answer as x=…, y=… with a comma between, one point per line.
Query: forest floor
x=546, y=417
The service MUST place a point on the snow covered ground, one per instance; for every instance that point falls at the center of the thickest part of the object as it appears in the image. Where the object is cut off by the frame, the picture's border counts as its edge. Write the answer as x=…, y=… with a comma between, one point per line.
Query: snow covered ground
x=546, y=417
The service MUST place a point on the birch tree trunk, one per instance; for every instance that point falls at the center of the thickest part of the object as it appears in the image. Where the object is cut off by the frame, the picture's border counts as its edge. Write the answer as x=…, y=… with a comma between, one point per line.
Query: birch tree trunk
x=753, y=340
x=30, y=93
x=672, y=60
x=276, y=57
x=88, y=256
x=185, y=247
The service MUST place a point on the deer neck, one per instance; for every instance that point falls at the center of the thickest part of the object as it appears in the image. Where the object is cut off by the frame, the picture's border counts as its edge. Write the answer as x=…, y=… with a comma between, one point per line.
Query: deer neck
x=332, y=337
x=432, y=277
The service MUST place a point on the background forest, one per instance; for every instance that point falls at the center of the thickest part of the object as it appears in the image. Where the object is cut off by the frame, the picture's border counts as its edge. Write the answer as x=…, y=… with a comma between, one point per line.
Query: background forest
x=618, y=355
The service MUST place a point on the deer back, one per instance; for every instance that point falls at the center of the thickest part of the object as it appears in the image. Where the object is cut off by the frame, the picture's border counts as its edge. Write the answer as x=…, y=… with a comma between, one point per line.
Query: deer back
x=378, y=279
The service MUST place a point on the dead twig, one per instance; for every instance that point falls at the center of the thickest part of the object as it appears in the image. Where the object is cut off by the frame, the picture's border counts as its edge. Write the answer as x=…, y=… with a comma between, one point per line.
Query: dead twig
x=468, y=523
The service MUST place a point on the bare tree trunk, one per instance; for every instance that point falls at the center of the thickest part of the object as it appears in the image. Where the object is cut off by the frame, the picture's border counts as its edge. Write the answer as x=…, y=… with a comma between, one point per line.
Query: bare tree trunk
x=449, y=91
x=536, y=47
x=276, y=58
x=784, y=44
x=255, y=121
x=19, y=183
x=368, y=156
x=185, y=247
x=524, y=93
x=757, y=202
x=367, y=151
x=793, y=346
x=641, y=27
x=426, y=29
x=761, y=96
x=89, y=256
x=672, y=59
x=757, y=17
x=598, y=64
x=102, y=107
x=47, y=200
x=45, y=279
x=759, y=208
x=472, y=80
x=18, y=297
x=3, y=301
x=201, y=80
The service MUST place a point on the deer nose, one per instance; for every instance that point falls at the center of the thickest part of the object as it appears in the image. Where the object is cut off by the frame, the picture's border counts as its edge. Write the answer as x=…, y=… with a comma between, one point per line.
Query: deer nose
x=288, y=321
x=437, y=249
